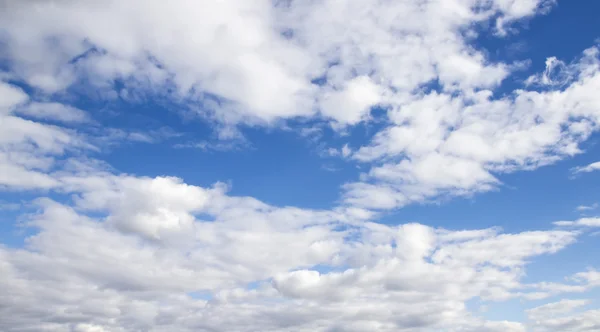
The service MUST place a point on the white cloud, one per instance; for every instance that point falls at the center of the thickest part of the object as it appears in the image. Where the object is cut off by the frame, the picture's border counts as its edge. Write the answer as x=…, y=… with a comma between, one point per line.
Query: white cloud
x=583, y=208
x=551, y=310
x=559, y=316
x=345, y=151
x=26, y=147
x=387, y=277
x=33, y=151
x=353, y=103
x=585, y=222
x=260, y=61
x=129, y=253
x=162, y=240
x=587, y=168
x=151, y=46
x=221, y=145
x=11, y=97
x=149, y=245
x=557, y=73
x=54, y=112
x=456, y=144
x=262, y=64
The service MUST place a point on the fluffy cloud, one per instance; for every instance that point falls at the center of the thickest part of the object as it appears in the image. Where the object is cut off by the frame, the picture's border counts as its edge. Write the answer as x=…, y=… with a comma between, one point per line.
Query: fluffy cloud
x=40, y=140
x=28, y=148
x=254, y=62
x=454, y=145
x=261, y=63
x=336, y=272
x=351, y=104
x=118, y=252
x=180, y=257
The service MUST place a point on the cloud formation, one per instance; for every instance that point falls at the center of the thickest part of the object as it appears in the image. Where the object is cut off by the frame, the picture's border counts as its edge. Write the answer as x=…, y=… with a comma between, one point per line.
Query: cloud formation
x=176, y=271
x=108, y=251
x=587, y=168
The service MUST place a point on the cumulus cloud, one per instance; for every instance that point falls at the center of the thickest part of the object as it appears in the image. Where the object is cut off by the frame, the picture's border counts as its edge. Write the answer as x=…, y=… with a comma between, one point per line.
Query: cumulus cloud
x=292, y=60
x=121, y=252
x=332, y=60
x=362, y=275
x=456, y=145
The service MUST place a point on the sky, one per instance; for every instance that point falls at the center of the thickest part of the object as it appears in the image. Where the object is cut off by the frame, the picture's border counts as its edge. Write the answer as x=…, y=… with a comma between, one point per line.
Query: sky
x=318, y=165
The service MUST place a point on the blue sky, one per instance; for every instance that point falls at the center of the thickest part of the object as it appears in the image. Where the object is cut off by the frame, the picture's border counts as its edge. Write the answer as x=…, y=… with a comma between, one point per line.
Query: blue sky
x=419, y=166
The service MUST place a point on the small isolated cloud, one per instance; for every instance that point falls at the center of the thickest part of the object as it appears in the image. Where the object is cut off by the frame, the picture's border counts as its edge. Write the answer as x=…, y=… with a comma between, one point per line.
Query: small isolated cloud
x=583, y=208
x=343, y=152
x=329, y=168
x=557, y=74
x=346, y=151
x=220, y=146
x=586, y=169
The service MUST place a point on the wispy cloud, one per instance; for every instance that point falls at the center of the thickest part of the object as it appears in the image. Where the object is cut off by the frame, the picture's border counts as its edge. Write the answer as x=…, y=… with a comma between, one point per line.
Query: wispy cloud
x=584, y=208
x=587, y=168
x=218, y=145
x=583, y=222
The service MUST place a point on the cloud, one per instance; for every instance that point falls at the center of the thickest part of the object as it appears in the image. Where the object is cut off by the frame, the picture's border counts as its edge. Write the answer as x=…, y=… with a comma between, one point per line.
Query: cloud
x=119, y=252
x=559, y=316
x=222, y=145
x=313, y=58
x=583, y=222
x=143, y=276
x=163, y=241
x=557, y=73
x=350, y=105
x=329, y=61
x=129, y=253
x=583, y=208
x=154, y=50
x=54, y=112
x=587, y=169
x=35, y=145
x=28, y=148
x=550, y=310
x=438, y=144
x=345, y=151
x=11, y=97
